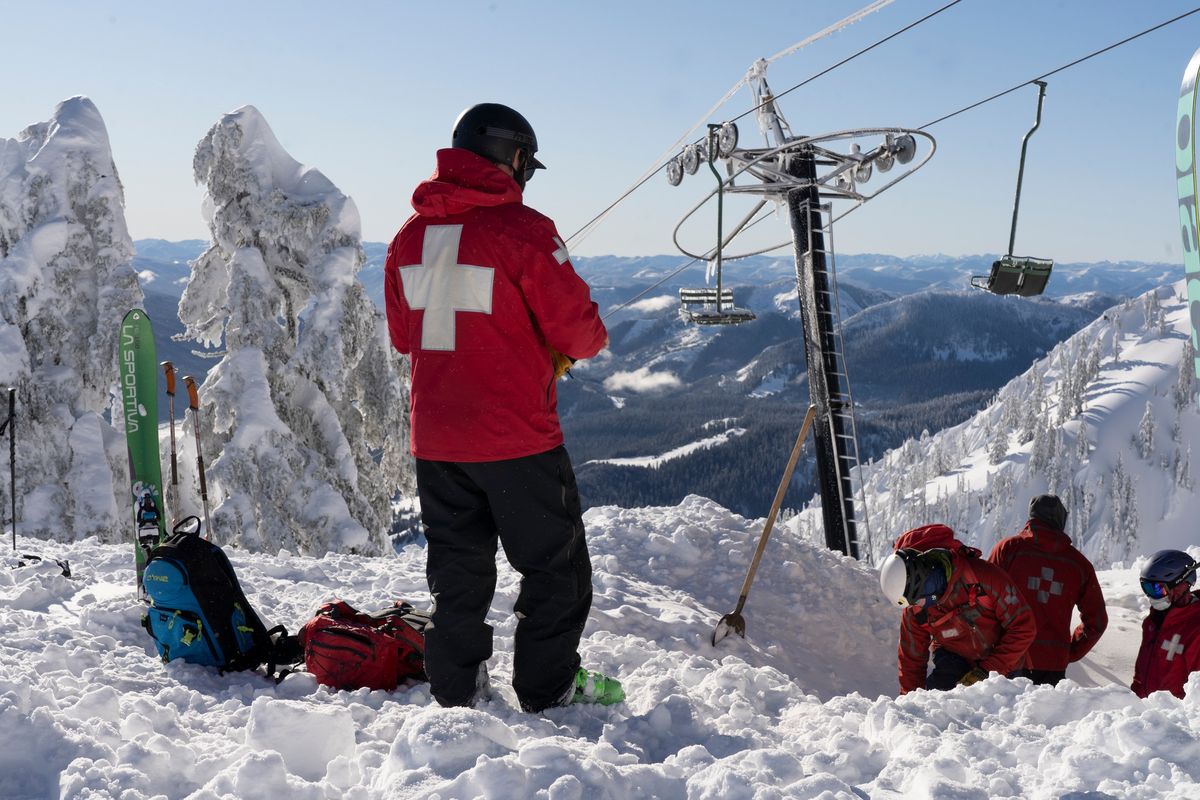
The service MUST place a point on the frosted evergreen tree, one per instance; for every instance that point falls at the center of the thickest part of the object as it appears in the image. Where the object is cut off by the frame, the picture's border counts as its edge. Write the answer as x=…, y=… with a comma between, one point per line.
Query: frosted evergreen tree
x=1181, y=469
x=998, y=445
x=66, y=279
x=1034, y=407
x=1184, y=389
x=1143, y=440
x=305, y=418
x=1122, y=526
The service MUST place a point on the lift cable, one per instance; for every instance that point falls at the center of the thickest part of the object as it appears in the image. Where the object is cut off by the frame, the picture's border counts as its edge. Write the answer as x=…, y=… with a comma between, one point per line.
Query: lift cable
x=1060, y=69
x=665, y=159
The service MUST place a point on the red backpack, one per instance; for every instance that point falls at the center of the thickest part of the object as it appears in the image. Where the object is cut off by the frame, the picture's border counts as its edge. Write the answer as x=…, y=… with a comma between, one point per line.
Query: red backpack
x=347, y=649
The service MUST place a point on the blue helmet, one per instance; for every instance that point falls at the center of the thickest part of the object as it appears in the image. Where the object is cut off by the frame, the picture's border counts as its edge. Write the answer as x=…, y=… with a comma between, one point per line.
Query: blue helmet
x=1170, y=567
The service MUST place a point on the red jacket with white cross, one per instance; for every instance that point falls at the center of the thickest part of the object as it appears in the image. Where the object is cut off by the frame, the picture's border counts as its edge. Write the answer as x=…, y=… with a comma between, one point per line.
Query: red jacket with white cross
x=1054, y=577
x=1170, y=649
x=477, y=287
x=981, y=617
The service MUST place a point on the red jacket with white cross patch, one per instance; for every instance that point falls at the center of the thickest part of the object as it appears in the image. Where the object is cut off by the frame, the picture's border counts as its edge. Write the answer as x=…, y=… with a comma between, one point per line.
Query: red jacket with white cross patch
x=1170, y=649
x=477, y=287
x=1054, y=577
x=981, y=617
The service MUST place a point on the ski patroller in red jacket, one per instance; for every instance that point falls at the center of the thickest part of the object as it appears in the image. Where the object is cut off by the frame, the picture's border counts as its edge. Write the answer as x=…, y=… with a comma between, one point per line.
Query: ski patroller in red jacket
x=477, y=287
x=981, y=617
x=1170, y=649
x=1054, y=577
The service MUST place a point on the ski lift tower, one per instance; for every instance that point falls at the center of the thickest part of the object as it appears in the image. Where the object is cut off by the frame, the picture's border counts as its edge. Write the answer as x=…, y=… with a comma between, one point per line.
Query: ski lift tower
x=819, y=179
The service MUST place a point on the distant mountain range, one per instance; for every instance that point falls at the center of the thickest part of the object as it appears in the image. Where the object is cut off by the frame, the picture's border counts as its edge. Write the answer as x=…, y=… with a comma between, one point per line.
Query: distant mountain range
x=714, y=410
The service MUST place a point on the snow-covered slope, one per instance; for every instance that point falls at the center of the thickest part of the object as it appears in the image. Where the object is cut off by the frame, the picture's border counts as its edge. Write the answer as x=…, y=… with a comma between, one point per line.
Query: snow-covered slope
x=1104, y=420
x=65, y=282
x=803, y=708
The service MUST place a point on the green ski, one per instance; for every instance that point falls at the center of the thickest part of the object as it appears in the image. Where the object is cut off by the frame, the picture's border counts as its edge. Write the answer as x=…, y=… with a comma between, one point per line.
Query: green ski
x=1185, y=185
x=139, y=401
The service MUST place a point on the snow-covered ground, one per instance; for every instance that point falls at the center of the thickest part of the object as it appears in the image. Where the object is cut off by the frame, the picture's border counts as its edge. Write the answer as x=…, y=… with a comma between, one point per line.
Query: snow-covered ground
x=805, y=707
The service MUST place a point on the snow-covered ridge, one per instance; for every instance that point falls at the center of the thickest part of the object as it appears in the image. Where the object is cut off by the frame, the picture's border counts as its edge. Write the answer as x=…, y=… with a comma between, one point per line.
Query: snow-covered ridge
x=1104, y=420
x=654, y=462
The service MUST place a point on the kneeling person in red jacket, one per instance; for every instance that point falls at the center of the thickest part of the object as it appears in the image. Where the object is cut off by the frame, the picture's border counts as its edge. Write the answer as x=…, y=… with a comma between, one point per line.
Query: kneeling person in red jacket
x=963, y=608
x=1054, y=577
x=1170, y=649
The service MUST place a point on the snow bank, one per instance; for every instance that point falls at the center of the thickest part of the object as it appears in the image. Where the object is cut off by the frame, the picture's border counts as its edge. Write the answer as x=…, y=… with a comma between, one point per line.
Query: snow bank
x=804, y=707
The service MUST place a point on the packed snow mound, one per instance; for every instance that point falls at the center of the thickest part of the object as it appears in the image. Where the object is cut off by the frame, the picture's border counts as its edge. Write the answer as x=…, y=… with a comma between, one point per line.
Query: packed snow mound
x=66, y=280
x=803, y=707
x=1105, y=421
x=305, y=418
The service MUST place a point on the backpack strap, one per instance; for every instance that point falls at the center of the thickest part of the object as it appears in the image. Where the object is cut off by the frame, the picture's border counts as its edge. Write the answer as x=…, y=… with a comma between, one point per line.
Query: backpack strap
x=284, y=649
x=976, y=593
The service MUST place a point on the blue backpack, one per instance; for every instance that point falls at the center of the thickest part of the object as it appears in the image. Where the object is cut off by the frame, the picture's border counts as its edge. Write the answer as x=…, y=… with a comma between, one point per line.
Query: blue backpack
x=198, y=611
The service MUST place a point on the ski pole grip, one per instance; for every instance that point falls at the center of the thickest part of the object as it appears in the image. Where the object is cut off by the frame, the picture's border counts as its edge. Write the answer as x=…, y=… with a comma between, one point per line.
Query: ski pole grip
x=169, y=370
x=193, y=394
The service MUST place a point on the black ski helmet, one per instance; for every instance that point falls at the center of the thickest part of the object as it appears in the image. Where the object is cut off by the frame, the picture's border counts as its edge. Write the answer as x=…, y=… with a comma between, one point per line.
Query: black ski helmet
x=497, y=132
x=1049, y=509
x=1170, y=567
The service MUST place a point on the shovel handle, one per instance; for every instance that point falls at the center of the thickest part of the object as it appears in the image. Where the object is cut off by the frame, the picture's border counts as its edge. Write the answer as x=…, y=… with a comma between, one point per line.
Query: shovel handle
x=779, y=493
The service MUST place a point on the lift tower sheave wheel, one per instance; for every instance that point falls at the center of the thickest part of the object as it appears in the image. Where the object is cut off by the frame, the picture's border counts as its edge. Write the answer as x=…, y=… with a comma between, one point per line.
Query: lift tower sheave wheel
x=825, y=381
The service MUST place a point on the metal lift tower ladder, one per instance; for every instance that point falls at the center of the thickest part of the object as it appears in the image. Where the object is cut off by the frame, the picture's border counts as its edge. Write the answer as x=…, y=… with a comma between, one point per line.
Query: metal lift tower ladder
x=828, y=379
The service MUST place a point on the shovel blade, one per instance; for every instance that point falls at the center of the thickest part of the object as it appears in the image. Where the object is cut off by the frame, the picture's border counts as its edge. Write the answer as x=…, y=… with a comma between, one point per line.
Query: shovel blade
x=734, y=623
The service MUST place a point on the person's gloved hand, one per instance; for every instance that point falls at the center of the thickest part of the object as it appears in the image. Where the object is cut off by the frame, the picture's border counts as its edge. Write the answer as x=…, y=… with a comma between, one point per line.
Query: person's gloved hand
x=562, y=364
x=974, y=675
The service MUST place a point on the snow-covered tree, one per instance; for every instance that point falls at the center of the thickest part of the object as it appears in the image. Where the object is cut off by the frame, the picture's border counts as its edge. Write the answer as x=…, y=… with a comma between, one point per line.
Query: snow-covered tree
x=66, y=279
x=305, y=417
x=1184, y=389
x=1143, y=439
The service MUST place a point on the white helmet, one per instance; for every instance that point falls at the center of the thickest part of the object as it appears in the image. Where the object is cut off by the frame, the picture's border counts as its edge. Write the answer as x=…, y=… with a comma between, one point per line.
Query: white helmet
x=909, y=577
x=893, y=579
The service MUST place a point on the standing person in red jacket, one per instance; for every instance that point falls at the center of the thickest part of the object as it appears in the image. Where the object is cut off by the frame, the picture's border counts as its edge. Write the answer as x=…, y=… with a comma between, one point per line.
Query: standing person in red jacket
x=481, y=293
x=1054, y=577
x=963, y=608
x=1170, y=649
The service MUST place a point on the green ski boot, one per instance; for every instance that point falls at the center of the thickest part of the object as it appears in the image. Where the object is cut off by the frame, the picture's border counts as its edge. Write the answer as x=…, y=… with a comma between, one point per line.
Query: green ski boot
x=592, y=687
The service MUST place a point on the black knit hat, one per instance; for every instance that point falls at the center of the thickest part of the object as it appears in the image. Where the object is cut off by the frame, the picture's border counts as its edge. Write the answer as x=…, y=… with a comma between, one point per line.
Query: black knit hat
x=1049, y=509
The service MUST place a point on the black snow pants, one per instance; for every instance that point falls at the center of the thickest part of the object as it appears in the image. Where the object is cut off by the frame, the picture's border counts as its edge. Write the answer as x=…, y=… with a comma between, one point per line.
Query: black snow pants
x=948, y=670
x=531, y=506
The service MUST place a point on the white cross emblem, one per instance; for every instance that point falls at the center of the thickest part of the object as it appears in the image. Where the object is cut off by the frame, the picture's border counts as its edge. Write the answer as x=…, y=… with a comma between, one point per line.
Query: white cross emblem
x=561, y=255
x=1053, y=587
x=1172, y=647
x=1010, y=596
x=440, y=286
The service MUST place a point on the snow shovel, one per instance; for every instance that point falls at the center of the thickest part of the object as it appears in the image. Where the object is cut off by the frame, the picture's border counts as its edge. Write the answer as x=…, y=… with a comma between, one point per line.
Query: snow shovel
x=734, y=621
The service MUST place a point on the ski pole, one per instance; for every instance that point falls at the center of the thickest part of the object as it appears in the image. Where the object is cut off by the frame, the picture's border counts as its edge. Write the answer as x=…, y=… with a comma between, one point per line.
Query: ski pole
x=194, y=404
x=11, y=425
x=169, y=371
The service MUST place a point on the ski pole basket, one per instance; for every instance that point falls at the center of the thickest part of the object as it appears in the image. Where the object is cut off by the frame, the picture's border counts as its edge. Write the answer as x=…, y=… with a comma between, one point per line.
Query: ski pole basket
x=709, y=306
x=1022, y=276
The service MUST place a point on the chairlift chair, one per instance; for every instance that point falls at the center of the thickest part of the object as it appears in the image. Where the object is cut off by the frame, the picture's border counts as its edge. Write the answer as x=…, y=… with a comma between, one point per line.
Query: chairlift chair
x=1024, y=276
x=704, y=307
x=713, y=305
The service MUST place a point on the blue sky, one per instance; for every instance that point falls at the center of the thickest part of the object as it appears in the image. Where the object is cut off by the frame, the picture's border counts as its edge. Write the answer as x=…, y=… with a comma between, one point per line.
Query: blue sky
x=367, y=91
